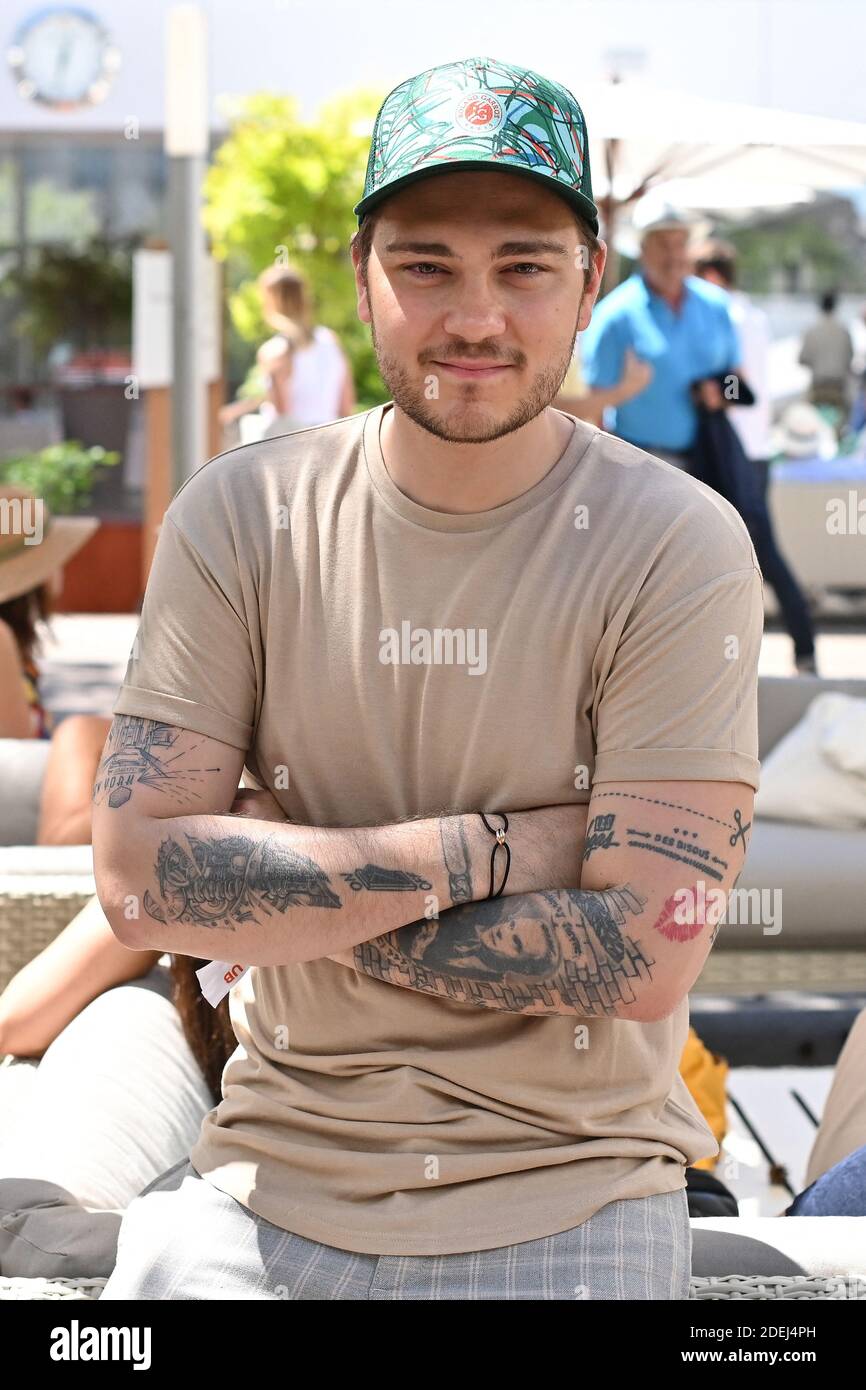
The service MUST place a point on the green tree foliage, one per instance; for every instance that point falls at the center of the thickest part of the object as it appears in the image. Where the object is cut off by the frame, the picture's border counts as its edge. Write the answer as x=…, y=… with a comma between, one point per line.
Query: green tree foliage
x=280, y=189
x=791, y=245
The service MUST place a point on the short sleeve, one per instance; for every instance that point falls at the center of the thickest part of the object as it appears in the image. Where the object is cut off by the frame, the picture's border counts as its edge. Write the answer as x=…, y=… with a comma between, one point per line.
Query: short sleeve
x=191, y=663
x=680, y=701
x=602, y=352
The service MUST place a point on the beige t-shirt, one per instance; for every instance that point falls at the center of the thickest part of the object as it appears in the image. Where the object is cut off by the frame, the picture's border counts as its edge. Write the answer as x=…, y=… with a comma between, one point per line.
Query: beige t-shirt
x=359, y=1113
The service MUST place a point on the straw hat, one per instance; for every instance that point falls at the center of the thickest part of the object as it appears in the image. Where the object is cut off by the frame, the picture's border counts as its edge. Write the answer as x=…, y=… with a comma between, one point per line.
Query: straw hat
x=33, y=544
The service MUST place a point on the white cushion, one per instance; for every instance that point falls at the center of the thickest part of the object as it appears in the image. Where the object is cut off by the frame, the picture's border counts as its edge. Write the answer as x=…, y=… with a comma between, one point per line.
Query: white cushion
x=117, y=1098
x=56, y=860
x=22, y=767
x=817, y=772
x=843, y=735
x=817, y=1247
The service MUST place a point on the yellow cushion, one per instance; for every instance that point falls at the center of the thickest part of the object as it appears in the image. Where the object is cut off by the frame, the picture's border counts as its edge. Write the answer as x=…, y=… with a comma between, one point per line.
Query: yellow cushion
x=705, y=1074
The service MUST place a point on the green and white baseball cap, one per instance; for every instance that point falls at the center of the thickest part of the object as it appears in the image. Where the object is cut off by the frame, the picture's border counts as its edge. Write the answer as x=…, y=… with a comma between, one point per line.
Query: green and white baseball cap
x=480, y=113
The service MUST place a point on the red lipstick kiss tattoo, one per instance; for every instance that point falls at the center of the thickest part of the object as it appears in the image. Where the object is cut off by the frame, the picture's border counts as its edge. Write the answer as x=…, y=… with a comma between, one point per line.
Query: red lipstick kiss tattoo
x=674, y=930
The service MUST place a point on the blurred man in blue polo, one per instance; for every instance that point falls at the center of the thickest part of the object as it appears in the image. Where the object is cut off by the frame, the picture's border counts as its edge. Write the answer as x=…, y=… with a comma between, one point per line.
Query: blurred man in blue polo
x=676, y=323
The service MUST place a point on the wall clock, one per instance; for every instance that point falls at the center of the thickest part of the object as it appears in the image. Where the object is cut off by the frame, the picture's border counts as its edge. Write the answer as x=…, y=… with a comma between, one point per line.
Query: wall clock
x=62, y=57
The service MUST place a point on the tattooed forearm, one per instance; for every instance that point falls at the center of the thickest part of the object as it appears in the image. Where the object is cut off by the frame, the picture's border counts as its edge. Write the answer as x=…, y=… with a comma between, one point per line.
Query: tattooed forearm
x=265, y=878
x=226, y=881
x=560, y=952
x=143, y=751
x=707, y=845
x=222, y=882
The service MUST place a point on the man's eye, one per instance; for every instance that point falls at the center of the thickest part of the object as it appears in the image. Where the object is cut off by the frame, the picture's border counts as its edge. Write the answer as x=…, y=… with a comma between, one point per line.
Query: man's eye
x=522, y=265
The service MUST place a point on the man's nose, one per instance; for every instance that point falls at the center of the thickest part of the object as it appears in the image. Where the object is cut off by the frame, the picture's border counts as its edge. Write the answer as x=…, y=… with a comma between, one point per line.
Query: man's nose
x=475, y=313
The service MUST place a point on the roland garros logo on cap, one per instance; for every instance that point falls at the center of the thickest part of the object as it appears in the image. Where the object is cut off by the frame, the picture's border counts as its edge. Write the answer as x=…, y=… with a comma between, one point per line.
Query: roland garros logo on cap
x=479, y=113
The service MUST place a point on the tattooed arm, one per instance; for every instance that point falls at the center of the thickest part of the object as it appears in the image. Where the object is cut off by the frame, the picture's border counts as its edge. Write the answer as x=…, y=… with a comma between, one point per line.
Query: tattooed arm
x=176, y=872
x=658, y=861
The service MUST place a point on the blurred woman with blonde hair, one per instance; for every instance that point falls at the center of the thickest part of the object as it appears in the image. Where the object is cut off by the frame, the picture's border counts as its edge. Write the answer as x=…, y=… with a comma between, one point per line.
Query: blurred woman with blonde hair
x=307, y=374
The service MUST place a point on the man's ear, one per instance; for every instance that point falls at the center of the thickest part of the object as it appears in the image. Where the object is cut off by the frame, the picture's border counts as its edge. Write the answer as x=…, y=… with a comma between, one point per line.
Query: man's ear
x=360, y=287
x=591, y=286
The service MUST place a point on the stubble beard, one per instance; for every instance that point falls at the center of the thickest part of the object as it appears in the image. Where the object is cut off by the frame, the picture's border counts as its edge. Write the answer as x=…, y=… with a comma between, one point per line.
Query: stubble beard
x=470, y=420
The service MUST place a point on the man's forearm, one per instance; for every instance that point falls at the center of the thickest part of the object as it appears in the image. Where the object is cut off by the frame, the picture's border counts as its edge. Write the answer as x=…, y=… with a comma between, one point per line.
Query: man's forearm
x=563, y=951
x=267, y=893
x=602, y=396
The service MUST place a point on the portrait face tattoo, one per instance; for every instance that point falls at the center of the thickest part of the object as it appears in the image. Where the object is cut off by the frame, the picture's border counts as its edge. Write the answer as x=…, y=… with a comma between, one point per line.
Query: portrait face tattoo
x=499, y=942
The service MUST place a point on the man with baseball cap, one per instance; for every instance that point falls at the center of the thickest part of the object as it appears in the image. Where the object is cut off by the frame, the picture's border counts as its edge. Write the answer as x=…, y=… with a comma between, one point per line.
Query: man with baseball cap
x=493, y=672
x=676, y=323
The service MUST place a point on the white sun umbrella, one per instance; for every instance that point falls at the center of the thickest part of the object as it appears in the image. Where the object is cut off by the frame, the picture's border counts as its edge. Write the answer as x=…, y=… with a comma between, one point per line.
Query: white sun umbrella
x=734, y=197
x=641, y=136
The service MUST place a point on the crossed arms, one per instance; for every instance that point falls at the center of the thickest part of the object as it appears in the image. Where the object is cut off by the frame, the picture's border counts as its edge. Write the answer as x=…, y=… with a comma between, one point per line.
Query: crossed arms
x=609, y=910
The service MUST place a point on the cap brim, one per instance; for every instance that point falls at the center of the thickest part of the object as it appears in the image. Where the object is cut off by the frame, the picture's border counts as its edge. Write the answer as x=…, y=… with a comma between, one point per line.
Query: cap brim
x=579, y=201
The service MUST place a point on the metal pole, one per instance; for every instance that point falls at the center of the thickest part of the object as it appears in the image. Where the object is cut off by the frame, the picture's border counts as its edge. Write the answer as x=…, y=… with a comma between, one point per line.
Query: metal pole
x=186, y=144
x=188, y=407
x=24, y=364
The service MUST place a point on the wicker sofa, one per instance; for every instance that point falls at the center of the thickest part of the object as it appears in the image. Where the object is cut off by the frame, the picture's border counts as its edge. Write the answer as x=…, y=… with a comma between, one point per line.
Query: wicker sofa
x=742, y=1258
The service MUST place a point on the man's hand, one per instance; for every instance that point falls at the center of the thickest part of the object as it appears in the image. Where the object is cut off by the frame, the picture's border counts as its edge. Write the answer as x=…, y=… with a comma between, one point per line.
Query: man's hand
x=637, y=374
x=636, y=377
x=709, y=394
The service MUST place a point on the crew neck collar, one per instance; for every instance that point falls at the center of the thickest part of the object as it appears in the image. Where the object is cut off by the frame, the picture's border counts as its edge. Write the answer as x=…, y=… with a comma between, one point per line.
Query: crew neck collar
x=432, y=520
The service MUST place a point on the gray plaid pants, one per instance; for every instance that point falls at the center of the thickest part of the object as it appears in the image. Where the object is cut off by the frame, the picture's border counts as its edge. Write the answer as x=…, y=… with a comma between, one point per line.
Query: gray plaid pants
x=182, y=1238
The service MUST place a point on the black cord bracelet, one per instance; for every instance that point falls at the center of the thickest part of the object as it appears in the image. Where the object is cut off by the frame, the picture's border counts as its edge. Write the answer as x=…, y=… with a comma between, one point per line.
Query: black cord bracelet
x=500, y=834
